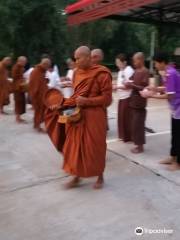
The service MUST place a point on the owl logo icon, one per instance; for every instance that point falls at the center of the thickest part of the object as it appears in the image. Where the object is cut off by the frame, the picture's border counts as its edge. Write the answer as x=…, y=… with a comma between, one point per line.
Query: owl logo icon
x=139, y=231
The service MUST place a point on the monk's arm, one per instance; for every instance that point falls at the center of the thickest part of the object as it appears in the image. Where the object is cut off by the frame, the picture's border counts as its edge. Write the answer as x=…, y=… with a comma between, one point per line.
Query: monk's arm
x=34, y=84
x=138, y=87
x=71, y=102
x=104, y=100
x=142, y=83
x=17, y=75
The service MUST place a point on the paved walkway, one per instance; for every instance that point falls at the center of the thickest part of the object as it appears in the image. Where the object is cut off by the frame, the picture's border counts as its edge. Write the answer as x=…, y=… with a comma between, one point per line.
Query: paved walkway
x=34, y=205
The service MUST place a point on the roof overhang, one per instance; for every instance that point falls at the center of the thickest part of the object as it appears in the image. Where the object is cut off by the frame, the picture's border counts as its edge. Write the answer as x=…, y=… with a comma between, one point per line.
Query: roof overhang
x=146, y=11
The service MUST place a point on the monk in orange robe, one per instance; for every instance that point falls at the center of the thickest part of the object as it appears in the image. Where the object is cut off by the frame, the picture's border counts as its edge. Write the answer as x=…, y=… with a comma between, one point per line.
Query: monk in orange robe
x=19, y=94
x=37, y=89
x=83, y=144
x=4, y=84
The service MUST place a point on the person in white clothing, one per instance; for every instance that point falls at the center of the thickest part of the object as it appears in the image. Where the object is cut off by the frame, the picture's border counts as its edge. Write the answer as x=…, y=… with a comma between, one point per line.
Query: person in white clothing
x=54, y=78
x=124, y=114
x=56, y=69
x=66, y=82
x=27, y=74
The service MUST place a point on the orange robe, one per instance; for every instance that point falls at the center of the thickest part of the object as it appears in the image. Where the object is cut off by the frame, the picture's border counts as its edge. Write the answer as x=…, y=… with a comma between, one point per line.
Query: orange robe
x=37, y=89
x=83, y=144
x=4, y=86
x=19, y=96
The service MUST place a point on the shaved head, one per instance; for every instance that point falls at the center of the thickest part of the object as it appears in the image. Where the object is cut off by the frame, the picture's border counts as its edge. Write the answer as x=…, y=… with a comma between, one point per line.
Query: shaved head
x=139, y=59
x=7, y=61
x=46, y=63
x=83, y=57
x=6, y=58
x=83, y=50
x=22, y=60
x=97, y=56
x=97, y=51
x=139, y=55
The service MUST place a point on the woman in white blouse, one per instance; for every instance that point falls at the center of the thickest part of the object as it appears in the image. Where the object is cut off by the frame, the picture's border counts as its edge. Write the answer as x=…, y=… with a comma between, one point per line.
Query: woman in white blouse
x=124, y=114
x=66, y=82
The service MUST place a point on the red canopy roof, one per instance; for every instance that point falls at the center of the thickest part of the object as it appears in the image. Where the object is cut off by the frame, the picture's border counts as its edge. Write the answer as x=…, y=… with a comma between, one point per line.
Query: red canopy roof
x=78, y=5
x=87, y=10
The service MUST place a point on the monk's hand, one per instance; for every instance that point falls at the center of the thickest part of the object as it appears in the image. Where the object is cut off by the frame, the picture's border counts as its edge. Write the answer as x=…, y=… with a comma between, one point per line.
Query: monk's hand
x=68, y=84
x=161, y=89
x=54, y=107
x=63, y=79
x=81, y=101
x=128, y=84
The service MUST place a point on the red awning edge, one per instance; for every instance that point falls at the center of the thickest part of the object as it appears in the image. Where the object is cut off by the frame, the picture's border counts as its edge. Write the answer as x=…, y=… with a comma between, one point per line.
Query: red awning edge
x=78, y=5
x=95, y=9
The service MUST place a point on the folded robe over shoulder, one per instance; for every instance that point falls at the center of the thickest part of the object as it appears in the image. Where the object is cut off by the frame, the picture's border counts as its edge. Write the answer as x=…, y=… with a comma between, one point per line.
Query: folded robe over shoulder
x=83, y=144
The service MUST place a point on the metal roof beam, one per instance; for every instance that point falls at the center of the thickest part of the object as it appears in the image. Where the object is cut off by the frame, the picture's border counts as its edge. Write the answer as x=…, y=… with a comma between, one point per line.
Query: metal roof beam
x=142, y=20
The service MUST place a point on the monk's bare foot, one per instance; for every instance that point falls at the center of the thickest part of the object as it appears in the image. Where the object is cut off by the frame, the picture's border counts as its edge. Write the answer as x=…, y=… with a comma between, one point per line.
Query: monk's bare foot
x=168, y=161
x=73, y=183
x=41, y=130
x=3, y=112
x=20, y=120
x=174, y=167
x=99, y=183
x=137, y=150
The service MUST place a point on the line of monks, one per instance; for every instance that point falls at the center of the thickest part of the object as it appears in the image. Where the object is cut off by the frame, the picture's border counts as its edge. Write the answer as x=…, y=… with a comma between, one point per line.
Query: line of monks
x=82, y=139
x=82, y=143
x=36, y=88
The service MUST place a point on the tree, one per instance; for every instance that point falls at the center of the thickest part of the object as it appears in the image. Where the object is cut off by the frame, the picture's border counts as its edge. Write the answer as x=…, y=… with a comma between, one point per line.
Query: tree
x=34, y=28
x=31, y=28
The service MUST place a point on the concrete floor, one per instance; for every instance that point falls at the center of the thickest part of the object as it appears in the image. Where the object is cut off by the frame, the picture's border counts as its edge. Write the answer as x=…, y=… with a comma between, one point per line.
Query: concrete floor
x=138, y=192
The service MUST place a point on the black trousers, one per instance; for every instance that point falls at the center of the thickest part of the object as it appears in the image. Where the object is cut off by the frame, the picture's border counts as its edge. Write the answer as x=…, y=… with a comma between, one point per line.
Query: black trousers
x=175, y=141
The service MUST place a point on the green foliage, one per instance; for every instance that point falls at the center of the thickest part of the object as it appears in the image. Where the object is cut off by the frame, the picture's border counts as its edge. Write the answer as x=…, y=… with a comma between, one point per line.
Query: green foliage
x=31, y=28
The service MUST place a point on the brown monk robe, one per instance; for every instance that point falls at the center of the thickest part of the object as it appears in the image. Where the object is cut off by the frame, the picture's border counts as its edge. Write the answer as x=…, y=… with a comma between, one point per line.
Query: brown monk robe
x=84, y=145
x=138, y=103
x=19, y=94
x=4, y=84
x=37, y=89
